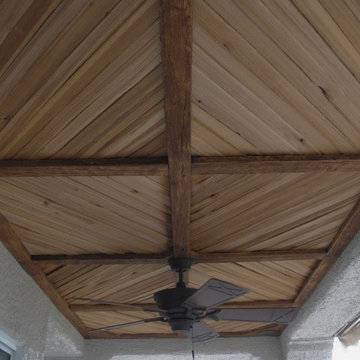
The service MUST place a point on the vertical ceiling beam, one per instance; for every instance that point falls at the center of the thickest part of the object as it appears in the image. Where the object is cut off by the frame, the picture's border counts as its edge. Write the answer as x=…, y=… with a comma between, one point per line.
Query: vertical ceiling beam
x=176, y=42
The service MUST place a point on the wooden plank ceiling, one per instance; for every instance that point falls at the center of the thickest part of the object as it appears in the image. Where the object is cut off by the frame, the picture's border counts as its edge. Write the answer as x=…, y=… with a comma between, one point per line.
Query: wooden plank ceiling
x=132, y=131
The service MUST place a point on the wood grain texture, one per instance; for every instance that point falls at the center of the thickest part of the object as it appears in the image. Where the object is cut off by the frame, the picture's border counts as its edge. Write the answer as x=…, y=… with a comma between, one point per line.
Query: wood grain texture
x=22, y=31
x=252, y=256
x=274, y=164
x=79, y=215
x=88, y=85
x=346, y=233
x=274, y=77
x=253, y=212
x=84, y=167
x=176, y=42
x=13, y=243
x=245, y=256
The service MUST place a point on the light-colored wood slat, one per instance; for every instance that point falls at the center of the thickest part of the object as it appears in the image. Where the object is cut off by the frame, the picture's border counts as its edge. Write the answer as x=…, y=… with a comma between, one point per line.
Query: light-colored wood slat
x=141, y=57
x=288, y=58
x=244, y=80
x=115, y=122
x=338, y=26
x=13, y=243
x=118, y=283
x=128, y=42
x=340, y=88
x=87, y=216
x=262, y=212
x=176, y=44
x=33, y=16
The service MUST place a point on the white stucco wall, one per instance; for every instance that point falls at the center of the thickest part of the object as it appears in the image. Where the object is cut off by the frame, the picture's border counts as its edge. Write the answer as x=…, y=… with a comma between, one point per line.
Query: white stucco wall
x=335, y=302
x=25, y=312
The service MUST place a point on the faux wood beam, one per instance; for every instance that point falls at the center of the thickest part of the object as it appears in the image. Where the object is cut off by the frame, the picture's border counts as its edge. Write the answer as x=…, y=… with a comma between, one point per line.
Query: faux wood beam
x=84, y=167
x=176, y=42
x=244, y=256
x=346, y=233
x=257, y=164
x=12, y=242
x=229, y=305
x=159, y=166
x=263, y=255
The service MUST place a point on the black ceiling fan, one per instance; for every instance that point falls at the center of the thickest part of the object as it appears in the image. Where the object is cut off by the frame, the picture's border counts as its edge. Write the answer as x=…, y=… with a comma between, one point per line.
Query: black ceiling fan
x=184, y=309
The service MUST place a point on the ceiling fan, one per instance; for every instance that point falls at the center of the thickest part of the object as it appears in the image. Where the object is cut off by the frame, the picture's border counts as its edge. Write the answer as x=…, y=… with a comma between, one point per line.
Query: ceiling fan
x=184, y=309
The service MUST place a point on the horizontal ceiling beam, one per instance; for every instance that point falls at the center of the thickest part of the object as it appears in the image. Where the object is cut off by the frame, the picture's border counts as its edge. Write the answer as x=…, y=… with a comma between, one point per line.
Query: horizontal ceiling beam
x=101, y=259
x=229, y=305
x=244, y=256
x=252, y=164
x=262, y=255
x=84, y=167
x=257, y=164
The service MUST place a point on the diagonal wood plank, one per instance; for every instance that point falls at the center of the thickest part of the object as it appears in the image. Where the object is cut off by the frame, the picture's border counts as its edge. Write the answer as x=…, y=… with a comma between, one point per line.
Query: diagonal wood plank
x=346, y=233
x=28, y=24
x=12, y=242
x=176, y=42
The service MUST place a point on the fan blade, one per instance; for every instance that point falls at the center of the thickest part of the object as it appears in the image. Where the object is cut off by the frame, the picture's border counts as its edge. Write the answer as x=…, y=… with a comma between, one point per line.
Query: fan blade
x=104, y=302
x=202, y=332
x=276, y=316
x=213, y=293
x=127, y=324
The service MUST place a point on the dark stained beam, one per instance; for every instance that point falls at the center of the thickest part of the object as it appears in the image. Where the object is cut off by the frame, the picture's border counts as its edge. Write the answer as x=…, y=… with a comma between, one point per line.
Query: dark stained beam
x=200, y=165
x=244, y=256
x=101, y=259
x=346, y=233
x=12, y=242
x=229, y=305
x=263, y=255
x=257, y=164
x=84, y=167
x=24, y=29
x=176, y=42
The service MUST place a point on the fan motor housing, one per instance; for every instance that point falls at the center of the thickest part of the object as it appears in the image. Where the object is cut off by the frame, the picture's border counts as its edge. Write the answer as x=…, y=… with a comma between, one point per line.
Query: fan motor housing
x=172, y=298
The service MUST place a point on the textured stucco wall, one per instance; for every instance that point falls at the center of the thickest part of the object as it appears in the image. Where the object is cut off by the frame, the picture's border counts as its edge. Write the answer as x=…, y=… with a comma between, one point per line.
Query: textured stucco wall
x=25, y=313
x=260, y=348
x=334, y=303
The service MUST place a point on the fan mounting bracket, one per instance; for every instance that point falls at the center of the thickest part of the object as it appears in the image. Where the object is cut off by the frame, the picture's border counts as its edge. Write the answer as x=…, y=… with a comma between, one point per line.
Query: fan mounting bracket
x=180, y=265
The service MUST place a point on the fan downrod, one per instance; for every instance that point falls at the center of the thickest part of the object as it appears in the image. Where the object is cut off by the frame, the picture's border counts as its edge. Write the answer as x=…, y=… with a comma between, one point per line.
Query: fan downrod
x=180, y=265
